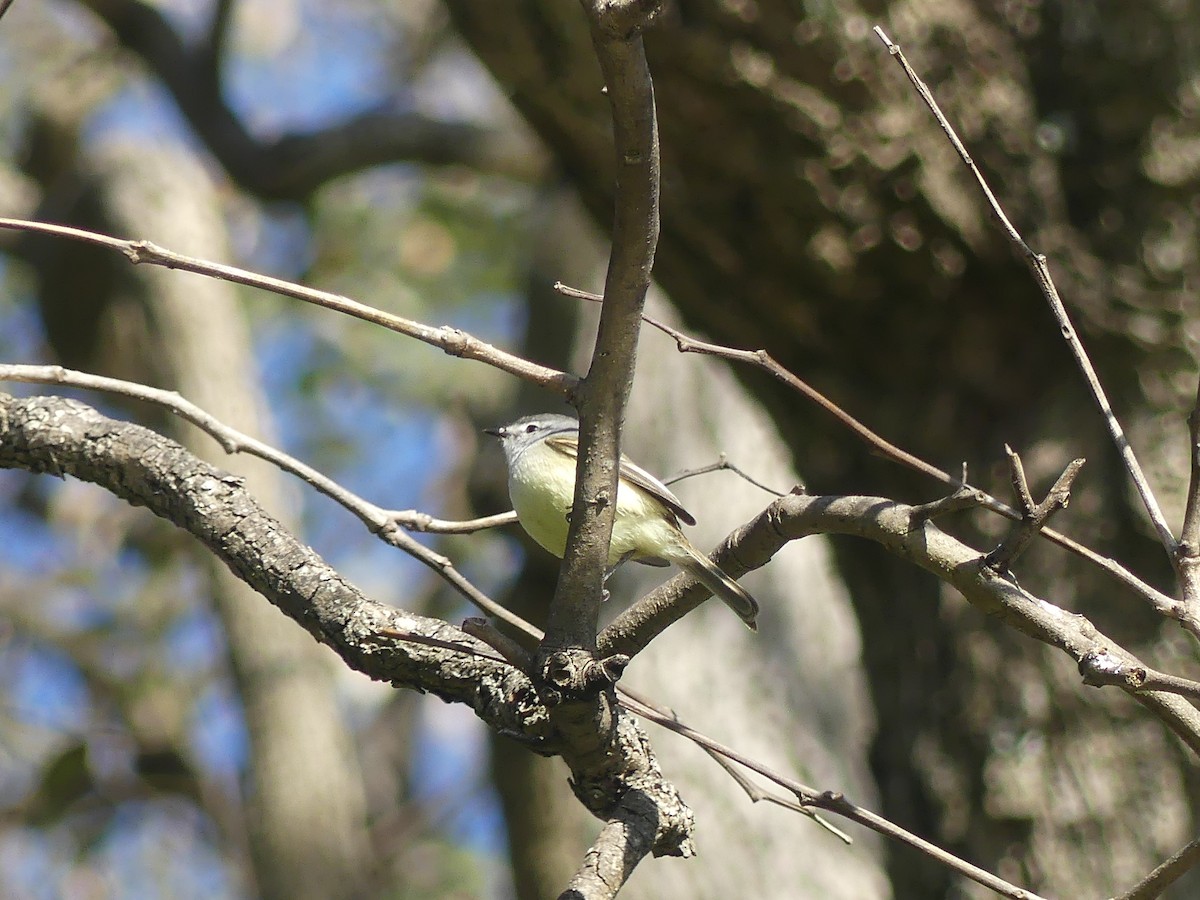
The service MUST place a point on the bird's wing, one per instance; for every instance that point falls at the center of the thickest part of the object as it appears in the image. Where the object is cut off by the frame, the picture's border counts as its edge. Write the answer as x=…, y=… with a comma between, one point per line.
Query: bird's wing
x=631, y=472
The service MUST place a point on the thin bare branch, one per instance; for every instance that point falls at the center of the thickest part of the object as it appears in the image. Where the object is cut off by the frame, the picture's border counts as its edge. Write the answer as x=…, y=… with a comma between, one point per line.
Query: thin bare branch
x=722, y=464
x=426, y=640
x=1102, y=667
x=757, y=794
x=837, y=803
x=1041, y=272
x=453, y=341
x=962, y=499
x=667, y=718
x=1162, y=603
x=1154, y=884
x=415, y=520
x=378, y=521
x=482, y=630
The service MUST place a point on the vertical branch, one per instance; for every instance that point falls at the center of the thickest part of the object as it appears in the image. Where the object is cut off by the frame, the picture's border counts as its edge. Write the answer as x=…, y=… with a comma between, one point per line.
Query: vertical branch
x=599, y=737
x=212, y=52
x=1188, y=556
x=602, y=396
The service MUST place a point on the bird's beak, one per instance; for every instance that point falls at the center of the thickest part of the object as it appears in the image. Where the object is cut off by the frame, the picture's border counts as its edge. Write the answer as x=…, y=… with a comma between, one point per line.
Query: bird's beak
x=495, y=432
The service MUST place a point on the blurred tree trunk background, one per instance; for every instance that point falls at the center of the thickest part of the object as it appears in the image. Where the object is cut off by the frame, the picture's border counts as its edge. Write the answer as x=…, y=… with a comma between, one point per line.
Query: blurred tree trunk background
x=810, y=207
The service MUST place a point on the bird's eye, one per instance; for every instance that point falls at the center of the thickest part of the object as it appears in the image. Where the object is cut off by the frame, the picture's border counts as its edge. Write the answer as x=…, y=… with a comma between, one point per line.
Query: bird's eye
x=531, y=427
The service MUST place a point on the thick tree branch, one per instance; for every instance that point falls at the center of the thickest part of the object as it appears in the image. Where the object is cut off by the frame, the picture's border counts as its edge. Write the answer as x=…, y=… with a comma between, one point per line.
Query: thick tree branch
x=900, y=529
x=602, y=397
x=386, y=524
x=629, y=834
x=293, y=166
x=64, y=437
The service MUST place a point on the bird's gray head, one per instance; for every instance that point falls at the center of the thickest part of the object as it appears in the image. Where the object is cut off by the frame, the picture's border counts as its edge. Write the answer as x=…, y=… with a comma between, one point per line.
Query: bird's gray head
x=527, y=431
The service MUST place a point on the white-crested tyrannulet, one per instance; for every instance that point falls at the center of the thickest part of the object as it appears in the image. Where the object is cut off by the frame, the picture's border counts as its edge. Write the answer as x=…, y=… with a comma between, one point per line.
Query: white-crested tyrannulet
x=542, y=452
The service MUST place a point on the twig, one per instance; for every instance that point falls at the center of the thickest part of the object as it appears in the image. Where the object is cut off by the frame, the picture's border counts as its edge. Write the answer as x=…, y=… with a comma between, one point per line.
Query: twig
x=1154, y=884
x=413, y=637
x=414, y=520
x=482, y=630
x=1104, y=667
x=1041, y=271
x=1036, y=514
x=837, y=803
x=963, y=498
x=667, y=718
x=756, y=794
x=722, y=464
x=453, y=341
x=1162, y=603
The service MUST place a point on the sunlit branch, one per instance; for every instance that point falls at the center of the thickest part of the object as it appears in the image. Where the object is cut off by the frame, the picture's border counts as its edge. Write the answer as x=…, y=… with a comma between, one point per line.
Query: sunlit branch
x=900, y=530
x=1154, y=884
x=378, y=521
x=454, y=341
x=62, y=436
x=601, y=399
x=1162, y=603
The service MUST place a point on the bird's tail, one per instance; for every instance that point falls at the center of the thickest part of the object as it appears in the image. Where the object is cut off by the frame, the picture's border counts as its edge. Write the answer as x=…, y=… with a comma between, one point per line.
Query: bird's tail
x=729, y=591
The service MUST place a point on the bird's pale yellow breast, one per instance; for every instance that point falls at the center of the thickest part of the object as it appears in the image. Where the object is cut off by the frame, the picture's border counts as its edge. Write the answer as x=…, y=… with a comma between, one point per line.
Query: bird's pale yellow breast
x=542, y=488
x=541, y=484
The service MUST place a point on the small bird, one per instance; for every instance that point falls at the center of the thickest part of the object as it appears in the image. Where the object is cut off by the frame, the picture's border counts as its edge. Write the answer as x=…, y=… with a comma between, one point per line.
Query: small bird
x=542, y=451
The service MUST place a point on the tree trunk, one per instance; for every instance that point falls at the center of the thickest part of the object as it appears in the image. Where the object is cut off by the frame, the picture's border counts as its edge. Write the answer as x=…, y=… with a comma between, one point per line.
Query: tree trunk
x=812, y=208
x=189, y=334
